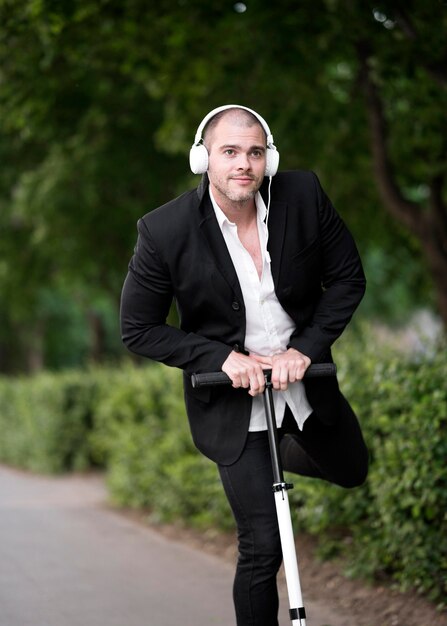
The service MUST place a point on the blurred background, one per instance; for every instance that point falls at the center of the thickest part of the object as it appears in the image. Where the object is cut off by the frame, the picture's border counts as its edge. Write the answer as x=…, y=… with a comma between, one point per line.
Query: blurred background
x=99, y=104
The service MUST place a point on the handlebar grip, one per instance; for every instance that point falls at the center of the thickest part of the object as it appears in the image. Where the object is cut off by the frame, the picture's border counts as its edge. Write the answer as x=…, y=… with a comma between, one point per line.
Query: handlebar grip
x=318, y=370
x=213, y=379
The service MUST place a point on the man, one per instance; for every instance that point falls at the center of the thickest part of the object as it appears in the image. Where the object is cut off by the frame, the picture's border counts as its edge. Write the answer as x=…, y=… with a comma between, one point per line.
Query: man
x=265, y=275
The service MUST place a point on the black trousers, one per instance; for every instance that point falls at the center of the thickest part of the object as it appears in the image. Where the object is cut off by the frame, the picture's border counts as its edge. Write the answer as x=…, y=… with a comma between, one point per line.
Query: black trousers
x=335, y=453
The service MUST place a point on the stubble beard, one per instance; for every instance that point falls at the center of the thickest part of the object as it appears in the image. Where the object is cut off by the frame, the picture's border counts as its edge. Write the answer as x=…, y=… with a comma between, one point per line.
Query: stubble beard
x=239, y=197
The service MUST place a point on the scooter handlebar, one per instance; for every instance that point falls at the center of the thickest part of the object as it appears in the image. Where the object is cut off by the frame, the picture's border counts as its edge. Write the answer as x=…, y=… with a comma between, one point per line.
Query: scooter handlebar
x=213, y=379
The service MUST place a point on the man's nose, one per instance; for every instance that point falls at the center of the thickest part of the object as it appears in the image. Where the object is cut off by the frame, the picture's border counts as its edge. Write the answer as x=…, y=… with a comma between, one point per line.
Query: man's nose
x=243, y=162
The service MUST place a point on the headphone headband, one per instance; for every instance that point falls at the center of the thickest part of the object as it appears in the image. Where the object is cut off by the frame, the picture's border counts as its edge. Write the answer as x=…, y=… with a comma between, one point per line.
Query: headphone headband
x=198, y=155
x=226, y=107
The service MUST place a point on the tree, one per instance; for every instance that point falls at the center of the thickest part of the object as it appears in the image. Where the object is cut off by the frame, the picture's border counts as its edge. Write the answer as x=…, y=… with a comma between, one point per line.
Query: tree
x=81, y=165
x=411, y=177
x=99, y=101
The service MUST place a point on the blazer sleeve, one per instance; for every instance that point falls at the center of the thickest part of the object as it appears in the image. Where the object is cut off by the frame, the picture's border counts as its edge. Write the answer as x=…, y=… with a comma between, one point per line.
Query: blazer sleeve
x=343, y=283
x=146, y=299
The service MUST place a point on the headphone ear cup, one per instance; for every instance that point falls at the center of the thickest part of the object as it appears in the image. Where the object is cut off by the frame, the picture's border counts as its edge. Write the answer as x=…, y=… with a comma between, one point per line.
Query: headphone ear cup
x=198, y=159
x=272, y=161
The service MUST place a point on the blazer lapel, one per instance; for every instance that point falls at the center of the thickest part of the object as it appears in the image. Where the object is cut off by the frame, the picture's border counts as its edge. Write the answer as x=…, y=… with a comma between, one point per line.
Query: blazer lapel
x=217, y=246
x=276, y=226
x=277, y=229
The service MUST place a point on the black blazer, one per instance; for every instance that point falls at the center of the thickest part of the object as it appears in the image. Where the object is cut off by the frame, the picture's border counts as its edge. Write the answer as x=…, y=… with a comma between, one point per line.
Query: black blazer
x=180, y=253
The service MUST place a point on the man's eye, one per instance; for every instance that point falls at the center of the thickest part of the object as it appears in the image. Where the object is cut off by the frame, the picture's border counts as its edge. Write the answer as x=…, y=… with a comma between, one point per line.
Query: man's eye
x=257, y=153
x=229, y=152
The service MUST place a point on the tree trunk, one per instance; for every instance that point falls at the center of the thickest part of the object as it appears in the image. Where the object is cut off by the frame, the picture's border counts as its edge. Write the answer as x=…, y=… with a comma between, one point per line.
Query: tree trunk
x=34, y=349
x=97, y=336
x=433, y=240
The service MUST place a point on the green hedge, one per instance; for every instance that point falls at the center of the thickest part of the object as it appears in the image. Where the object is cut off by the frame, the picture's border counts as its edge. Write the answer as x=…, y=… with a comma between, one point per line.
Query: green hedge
x=45, y=422
x=132, y=422
x=396, y=524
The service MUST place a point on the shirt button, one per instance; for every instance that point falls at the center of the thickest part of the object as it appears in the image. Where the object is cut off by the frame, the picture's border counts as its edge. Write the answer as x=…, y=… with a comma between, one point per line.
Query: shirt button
x=235, y=306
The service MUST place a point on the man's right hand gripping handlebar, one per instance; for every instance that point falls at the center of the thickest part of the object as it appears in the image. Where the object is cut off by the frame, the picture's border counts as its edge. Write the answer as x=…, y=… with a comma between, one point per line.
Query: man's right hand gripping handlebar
x=245, y=371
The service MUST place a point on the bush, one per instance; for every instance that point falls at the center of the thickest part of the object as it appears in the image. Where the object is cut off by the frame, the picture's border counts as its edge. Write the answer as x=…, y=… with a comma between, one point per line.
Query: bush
x=45, y=422
x=152, y=462
x=132, y=422
x=397, y=522
x=408, y=483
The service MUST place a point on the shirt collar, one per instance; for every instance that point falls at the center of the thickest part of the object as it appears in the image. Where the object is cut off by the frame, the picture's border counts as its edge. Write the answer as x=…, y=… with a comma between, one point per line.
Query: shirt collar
x=222, y=218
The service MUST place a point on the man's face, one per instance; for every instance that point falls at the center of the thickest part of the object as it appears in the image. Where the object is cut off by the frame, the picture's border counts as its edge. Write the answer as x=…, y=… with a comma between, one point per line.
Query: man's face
x=237, y=161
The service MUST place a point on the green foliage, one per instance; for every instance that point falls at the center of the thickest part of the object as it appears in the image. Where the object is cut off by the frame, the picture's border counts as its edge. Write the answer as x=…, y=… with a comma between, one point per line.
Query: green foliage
x=397, y=522
x=409, y=485
x=142, y=434
x=80, y=164
x=405, y=292
x=99, y=102
x=132, y=422
x=45, y=422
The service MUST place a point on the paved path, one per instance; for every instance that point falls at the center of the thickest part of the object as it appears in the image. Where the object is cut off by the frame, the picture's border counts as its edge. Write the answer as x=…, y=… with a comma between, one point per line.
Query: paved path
x=67, y=560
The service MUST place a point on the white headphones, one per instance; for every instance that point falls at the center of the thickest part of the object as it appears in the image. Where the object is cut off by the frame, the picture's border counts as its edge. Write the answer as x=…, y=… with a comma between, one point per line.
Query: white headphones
x=198, y=155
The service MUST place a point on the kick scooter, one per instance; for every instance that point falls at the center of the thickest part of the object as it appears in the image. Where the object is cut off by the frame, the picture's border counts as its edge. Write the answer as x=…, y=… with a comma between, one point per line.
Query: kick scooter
x=296, y=607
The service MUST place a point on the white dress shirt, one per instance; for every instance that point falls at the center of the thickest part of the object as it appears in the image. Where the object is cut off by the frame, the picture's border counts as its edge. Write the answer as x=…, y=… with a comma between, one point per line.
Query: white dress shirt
x=268, y=326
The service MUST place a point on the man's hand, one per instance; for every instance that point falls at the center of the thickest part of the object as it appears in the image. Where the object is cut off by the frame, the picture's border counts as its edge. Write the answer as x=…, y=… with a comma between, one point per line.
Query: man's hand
x=245, y=371
x=287, y=367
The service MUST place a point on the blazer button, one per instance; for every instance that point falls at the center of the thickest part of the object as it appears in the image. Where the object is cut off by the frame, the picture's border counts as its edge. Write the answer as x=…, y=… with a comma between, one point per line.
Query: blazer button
x=235, y=306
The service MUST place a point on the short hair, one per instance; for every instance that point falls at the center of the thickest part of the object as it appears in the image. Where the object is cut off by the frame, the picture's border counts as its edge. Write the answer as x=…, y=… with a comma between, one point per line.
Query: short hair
x=241, y=117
